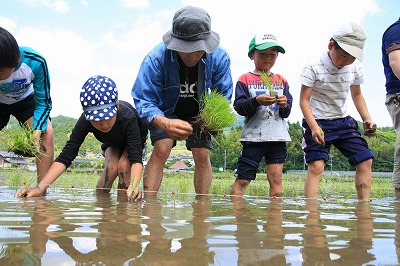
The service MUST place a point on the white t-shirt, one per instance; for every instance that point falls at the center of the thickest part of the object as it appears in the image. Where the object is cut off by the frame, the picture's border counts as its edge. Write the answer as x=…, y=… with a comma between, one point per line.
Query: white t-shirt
x=330, y=86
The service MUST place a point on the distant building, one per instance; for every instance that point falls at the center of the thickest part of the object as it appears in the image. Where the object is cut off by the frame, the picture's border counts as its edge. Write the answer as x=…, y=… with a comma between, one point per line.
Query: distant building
x=7, y=159
x=93, y=155
x=77, y=162
x=188, y=158
x=180, y=157
x=179, y=165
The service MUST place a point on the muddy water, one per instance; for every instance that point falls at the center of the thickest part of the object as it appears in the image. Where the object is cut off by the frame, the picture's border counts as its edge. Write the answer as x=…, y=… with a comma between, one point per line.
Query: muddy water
x=77, y=227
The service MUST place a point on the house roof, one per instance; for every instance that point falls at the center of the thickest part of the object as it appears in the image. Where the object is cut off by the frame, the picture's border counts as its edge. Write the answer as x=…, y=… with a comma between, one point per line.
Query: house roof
x=11, y=157
x=8, y=154
x=179, y=165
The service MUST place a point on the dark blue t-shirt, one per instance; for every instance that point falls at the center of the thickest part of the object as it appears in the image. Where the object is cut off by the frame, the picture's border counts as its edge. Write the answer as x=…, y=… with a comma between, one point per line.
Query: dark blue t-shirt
x=187, y=106
x=390, y=42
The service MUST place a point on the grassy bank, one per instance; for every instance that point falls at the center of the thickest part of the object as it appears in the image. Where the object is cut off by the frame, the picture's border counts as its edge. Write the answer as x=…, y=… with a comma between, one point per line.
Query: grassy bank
x=182, y=183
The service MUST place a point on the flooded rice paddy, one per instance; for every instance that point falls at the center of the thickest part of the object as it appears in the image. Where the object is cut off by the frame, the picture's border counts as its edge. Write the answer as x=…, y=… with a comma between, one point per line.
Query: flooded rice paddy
x=78, y=227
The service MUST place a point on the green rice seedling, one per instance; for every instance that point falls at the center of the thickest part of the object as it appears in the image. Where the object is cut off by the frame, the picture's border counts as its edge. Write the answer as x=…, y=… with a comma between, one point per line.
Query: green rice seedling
x=20, y=142
x=296, y=194
x=177, y=183
x=216, y=114
x=219, y=187
x=17, y=178
x=271, y=89
x=182, y=183
x=80, y=179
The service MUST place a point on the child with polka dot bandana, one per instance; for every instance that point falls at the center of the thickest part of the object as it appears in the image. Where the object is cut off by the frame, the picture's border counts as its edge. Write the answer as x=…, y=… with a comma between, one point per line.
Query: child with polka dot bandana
x=117, y=126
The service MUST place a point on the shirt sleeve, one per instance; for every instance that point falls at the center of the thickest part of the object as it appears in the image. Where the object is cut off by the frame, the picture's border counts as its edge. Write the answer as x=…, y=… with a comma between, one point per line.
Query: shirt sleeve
x=307, y=76
x=244, y=104
x=147, y=89
x=284, y=113
x=41, y=87
x=77, y=137
x=391, y=38
x=222, y=76
x=134, y=141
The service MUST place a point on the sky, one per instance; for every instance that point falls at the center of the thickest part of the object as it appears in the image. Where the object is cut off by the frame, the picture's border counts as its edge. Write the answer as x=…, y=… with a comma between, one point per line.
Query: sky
x=82, y=38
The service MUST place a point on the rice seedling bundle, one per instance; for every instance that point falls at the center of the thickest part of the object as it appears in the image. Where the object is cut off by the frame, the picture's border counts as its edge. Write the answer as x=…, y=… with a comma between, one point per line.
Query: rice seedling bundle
x=216, y=114
x=21, y=143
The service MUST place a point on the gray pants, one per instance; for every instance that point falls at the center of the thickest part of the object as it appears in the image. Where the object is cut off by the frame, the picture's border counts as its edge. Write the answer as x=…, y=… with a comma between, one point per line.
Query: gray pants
x=393, y=107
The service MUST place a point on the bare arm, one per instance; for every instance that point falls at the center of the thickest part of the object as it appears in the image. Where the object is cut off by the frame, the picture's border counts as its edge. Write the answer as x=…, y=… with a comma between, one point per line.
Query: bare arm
x=394, y=62
x=361, y=106
x=52, y=174
x=317, y=133
x=134, y=191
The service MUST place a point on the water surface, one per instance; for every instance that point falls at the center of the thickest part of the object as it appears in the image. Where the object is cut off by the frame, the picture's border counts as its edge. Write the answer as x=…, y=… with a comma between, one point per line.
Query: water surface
x=78, y=227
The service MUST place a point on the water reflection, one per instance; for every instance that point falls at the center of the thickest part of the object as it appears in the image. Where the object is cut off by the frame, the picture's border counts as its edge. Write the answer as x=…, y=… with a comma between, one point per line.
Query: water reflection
x=31, y=253
x=396, y=210
x=317, y=250
x=117, y=233
x=358, y=248
x=186, y=244
x=196, y=248
x=114, y=227
x=259, y=244
x=84, y=229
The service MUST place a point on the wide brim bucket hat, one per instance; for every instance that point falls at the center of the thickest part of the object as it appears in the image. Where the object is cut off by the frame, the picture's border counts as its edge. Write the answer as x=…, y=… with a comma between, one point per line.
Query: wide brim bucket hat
x=191, y=32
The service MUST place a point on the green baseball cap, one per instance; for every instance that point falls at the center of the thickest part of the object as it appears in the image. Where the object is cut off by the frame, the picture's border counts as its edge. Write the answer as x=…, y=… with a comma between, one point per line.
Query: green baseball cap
x=264, y=41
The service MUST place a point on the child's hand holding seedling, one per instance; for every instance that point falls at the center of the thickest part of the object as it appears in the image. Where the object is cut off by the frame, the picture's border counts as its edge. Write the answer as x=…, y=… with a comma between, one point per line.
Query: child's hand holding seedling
x=369, y=128
x=282, y=101
x=134, y=194
x=25, y=142
x=319, y=136
x=30, y=192
x=267, y=83
x=266, y=100
x=35, y=137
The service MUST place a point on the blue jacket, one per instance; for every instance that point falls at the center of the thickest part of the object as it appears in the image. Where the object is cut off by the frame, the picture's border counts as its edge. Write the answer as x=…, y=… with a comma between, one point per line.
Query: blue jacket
x=157, y=86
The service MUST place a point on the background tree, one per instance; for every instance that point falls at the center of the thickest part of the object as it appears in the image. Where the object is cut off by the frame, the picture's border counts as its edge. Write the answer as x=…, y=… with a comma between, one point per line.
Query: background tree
x=227, y=146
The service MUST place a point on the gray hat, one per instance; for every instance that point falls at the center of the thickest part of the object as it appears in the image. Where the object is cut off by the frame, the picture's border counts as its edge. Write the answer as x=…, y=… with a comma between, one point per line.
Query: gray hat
x=351, y=38
x=191, y=32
